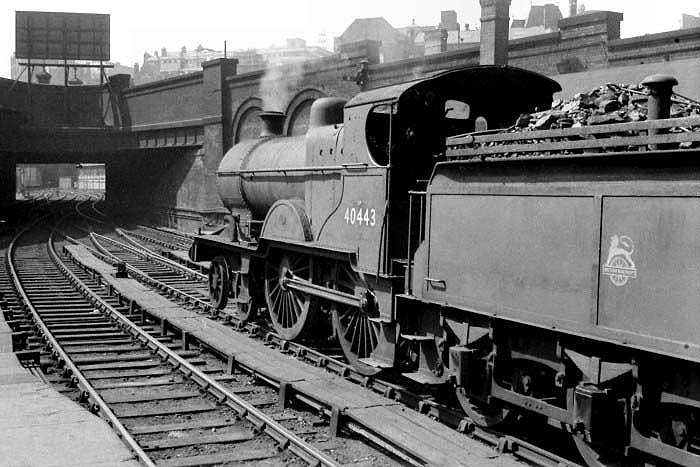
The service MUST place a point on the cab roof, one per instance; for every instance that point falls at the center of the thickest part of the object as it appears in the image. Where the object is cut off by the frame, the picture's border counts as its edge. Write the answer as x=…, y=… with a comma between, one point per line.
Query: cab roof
x=471, y=76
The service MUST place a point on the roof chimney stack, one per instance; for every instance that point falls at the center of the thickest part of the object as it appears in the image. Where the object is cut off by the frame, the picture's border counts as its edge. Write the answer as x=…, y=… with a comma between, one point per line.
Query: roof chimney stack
x=573, y=7
x=495, y=21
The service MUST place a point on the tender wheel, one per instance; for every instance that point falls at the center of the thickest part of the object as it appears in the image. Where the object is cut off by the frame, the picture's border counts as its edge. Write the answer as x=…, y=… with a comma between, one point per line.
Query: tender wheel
x=594, y=458
x=679, y=425
x=471, y=398
x=607, y=452
x=294, y=315
x=484, y=415
x=219, y=282
x=357, y=335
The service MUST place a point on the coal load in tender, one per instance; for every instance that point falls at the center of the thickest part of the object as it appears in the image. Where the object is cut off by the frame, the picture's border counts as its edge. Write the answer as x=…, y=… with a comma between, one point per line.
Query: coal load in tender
x=608, y=104
x=611, y=103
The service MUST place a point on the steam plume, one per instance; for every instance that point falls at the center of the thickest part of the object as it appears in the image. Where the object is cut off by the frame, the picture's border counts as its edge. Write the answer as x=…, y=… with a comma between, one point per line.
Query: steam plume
x=279, y=84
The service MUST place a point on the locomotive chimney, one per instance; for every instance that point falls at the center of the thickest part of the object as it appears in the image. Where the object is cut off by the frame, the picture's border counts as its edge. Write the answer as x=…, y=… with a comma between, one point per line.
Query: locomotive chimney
x=495, y=21
x=272, y=123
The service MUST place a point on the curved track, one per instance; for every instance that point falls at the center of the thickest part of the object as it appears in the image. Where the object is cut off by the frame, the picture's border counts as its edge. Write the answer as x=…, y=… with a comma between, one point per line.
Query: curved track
x=146, y=383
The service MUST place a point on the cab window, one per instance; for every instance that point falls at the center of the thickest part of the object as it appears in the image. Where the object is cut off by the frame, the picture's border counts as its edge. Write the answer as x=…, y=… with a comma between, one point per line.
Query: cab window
x=378, y=133
x=456, y=110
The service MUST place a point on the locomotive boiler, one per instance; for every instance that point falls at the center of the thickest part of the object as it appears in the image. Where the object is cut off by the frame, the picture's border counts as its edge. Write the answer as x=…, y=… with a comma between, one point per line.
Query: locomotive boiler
x=546, y=272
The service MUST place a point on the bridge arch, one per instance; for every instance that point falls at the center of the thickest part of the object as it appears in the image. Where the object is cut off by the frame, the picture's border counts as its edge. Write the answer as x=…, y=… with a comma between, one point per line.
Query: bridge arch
x=298, y=111
x=246, y=121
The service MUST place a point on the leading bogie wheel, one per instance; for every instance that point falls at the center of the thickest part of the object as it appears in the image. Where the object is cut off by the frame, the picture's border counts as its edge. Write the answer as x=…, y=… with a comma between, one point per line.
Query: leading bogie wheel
x=219, y=282
x=593, y=457
x=246, y=305
x=294, y=314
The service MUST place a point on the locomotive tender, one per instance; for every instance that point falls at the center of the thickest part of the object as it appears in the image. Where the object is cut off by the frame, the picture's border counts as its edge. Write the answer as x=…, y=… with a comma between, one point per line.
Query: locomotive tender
x=561, y=281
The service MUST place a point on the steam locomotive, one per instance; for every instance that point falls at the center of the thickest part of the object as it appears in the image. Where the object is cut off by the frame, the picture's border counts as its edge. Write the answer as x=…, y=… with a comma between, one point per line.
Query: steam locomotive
x=550, y=272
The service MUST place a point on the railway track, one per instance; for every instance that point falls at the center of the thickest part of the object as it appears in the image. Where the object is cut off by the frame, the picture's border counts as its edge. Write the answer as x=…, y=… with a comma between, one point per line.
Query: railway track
x=172, y=279
x=173, y=246
x=163, y=238
x=95, y=216
x=189, y=288
x=172, y=403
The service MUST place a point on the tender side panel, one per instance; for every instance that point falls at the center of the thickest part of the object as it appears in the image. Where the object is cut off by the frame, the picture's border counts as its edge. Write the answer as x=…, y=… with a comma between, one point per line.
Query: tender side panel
x=526, y=257
x=650, y=266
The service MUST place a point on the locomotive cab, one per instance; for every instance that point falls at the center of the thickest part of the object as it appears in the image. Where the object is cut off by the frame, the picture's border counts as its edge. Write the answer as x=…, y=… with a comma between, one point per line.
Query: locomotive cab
x=407, y=126
x=393, y=137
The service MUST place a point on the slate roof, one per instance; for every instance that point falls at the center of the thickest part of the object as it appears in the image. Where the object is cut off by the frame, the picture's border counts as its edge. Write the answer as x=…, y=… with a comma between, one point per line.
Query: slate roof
x=377, y=29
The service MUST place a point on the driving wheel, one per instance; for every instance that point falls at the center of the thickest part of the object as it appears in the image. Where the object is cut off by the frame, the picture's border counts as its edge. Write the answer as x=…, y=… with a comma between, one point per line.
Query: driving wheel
x=294, y=314
x=357, y=334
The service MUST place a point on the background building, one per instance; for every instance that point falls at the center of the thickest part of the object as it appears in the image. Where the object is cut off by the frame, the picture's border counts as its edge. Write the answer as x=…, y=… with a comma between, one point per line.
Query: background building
x=393, y=44
x=690, y=21
x=166, y=64
x=448, y=35
x=60, y=176
x=91, y=177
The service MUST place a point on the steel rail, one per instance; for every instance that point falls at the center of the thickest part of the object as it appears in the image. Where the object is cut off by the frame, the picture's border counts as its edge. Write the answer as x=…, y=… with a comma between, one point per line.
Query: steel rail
x=127, y=236
x=138, y=240
x=147, y=254
x=172, y=232
x=94, y=207
x=179, y=235
x=262, y=423
x=77, y=208
x=108, y=257
x=146, y=238
x=87, y=216
x=143, y=251
x=91, y=393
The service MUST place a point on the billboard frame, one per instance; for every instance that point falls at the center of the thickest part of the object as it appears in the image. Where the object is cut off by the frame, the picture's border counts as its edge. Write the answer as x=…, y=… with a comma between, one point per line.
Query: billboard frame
x=42, y=35
x=64, y=36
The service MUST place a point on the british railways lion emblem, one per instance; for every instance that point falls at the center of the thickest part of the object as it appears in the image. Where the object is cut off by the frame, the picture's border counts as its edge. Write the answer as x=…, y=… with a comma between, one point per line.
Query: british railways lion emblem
x=619, y=266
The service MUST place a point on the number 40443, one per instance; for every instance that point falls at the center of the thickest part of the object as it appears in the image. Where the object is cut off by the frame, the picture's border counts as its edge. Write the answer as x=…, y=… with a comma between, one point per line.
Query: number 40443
x=360, y=216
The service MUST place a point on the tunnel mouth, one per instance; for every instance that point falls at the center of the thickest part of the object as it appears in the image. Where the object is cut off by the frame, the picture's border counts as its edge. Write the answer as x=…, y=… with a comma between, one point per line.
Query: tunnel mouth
x=272, y=123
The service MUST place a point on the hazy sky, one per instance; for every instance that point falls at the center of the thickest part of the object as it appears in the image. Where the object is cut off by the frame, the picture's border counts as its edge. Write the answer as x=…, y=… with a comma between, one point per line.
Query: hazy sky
x=148, y=25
